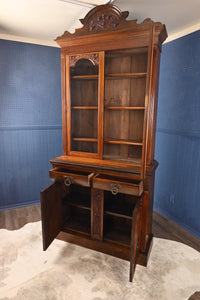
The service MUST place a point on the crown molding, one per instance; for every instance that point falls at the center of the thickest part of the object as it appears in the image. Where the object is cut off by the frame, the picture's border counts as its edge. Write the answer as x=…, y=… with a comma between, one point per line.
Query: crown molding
x=28, y=40
x=182, y=33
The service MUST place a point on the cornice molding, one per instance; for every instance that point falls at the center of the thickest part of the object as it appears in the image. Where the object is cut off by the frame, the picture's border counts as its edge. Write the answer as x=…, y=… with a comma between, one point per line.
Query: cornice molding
x=183, y=32
x=28, y=40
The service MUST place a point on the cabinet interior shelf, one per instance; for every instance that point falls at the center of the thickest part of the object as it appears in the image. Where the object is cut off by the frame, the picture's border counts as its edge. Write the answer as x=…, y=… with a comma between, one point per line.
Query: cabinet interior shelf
x=84, y=107
x=118, y=214
x=80, y=139
x=125, y=75
x=123, y=142
x=79, y=202
x=111, y=107
x=125, y=107
x=84, y=76
x=112, y=76
x=79, y=224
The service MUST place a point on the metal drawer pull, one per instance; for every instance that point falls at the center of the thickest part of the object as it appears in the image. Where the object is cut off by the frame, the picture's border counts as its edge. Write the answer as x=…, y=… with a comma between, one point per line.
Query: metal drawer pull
x=115, y=188
x=67, y=181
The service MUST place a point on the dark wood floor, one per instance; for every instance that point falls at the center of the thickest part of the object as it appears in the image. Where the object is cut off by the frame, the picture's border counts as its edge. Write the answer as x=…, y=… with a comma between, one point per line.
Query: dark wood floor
x=162, y=227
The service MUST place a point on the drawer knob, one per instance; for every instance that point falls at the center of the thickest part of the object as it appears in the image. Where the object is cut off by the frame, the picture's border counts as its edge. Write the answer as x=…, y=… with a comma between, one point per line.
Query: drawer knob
x=115, y=188
x=67, y=181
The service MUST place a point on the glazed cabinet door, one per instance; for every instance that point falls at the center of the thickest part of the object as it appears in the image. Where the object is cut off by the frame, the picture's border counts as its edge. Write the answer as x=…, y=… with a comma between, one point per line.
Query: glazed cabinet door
x=85, y=90
x=51, y=211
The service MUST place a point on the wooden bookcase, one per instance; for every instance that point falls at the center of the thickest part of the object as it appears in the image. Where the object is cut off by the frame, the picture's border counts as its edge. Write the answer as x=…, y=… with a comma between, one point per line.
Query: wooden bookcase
x=102, y=194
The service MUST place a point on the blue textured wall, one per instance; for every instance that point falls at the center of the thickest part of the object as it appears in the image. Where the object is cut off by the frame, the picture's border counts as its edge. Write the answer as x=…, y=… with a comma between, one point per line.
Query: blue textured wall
x=177, y=187
x=30, y=122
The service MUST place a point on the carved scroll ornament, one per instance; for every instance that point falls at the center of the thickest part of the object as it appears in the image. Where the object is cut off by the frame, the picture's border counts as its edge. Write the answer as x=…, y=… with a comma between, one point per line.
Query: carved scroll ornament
x=94, y=58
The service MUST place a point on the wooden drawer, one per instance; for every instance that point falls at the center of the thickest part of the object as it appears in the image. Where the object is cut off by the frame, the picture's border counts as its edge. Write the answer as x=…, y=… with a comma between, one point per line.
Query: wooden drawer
x=118, y=185
x=71, y=176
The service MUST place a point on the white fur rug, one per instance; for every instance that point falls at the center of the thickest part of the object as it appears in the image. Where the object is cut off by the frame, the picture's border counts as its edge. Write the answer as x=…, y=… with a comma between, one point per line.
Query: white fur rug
x=69, y=272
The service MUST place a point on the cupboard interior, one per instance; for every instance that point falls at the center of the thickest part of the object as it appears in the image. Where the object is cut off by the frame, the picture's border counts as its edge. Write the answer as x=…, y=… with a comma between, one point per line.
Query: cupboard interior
x=117, y=220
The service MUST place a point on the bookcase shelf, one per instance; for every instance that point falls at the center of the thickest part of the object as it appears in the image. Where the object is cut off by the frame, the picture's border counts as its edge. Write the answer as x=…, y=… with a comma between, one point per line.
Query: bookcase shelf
x=91, y=140
x=123, y=142
x=85, y=77
x=84, y=107
x=125, y=107
x=125, y=75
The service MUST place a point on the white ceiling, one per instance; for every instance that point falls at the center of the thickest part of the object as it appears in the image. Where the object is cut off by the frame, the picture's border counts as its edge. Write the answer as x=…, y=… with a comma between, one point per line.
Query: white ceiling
x=41, y=21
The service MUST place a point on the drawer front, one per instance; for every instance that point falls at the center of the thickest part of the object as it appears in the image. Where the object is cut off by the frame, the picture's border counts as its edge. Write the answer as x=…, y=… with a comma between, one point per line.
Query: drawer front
x=118, y=186
x=71, y=177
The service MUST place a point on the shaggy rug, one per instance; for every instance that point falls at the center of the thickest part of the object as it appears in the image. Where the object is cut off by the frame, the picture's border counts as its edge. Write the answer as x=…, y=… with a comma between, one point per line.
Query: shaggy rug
x=69, y=272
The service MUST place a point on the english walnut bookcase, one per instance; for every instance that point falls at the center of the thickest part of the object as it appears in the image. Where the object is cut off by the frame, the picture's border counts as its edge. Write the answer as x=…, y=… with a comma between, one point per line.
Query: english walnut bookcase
x=102, y=194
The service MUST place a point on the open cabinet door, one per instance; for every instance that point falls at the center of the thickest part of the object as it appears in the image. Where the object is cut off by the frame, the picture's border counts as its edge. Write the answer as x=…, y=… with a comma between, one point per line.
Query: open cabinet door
x=51, y=211
x=135, y=238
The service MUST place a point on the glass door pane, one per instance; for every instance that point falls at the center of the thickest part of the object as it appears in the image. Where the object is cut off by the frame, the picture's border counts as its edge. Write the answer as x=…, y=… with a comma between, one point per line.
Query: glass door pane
x=84, y=77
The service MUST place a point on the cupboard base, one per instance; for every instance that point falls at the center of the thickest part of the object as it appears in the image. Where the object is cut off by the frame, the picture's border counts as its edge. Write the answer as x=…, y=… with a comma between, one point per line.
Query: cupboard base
x=106, y=247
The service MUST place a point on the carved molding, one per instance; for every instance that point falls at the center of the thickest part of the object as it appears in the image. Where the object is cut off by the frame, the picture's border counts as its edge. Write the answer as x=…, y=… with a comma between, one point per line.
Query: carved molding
x=104, y=17
x=103, y=21
x=97, y=213
x=94, y=58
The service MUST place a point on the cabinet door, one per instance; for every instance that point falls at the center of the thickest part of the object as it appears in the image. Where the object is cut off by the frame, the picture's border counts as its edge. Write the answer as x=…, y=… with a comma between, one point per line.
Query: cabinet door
x=85, y=81
x=135, y=238
x=51, y=210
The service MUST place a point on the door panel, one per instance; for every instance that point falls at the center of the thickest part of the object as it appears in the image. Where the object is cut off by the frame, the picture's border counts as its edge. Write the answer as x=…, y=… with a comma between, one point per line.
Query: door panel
x=135, y=238
x=51, y=210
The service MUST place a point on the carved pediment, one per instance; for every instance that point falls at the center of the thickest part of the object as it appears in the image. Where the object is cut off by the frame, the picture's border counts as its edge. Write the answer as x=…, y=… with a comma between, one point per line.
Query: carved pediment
x=103, y=17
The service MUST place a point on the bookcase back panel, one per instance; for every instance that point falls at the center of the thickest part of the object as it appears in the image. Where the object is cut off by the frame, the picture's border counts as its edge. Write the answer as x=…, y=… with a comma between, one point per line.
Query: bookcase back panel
x=139, y=61
x=117, y=92
x=126, y=61
x=137, y=92
x=82, y=146
x=117, y=125
x=123, y=152
x=125, y=92
x=84, y=92
x=84, y=123
x=115, y=64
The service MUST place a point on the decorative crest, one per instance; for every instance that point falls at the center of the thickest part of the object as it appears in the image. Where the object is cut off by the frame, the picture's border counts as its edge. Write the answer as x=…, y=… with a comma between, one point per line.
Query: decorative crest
x=103, y=17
